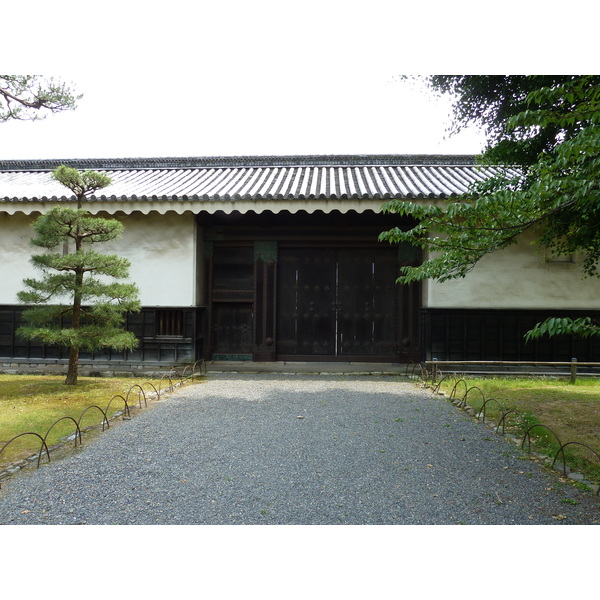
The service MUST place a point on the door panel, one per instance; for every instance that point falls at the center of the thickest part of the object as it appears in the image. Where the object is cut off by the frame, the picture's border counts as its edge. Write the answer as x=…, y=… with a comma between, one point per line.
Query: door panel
x=306, y=302
x=367, y=300
x=355, y=303
x=231, y=310
x=337, y=302
x=232, y=331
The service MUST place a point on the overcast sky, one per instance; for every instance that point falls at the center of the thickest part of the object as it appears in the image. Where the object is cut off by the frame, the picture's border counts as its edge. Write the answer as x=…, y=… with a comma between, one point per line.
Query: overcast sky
x=238, y=114
x=262, y=77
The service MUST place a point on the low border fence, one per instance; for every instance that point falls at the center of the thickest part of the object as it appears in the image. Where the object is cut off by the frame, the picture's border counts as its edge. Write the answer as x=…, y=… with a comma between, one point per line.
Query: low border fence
x=174, y=379
x=518, y=367
x=435, y=378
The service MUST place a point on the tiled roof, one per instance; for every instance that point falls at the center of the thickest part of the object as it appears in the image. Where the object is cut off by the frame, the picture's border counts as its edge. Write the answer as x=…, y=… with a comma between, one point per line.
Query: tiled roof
x=377, y=177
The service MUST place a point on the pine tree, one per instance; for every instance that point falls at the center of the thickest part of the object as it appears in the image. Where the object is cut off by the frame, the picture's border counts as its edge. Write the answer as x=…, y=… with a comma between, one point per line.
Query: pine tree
x=32, y=97
x=76, y=304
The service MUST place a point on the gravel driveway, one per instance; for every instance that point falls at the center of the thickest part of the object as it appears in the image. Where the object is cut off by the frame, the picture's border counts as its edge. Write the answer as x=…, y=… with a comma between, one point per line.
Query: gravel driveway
x=295, y=449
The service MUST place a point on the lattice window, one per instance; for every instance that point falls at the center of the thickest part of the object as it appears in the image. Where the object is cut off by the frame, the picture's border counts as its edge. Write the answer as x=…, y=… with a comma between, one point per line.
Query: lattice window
x=169, y=323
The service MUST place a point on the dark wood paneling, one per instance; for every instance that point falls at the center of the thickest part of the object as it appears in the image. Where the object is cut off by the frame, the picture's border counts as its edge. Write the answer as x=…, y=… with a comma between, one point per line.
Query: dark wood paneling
x=461, y=334
x=153, y=347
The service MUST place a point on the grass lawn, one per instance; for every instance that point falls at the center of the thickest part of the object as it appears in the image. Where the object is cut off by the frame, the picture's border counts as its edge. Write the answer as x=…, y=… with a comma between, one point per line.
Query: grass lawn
x=31, y=403
x=571, y=411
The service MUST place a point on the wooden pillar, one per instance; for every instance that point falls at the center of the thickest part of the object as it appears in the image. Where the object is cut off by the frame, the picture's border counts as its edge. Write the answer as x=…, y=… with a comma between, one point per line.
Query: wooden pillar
x=207, y=333
x=265, y=294
x=409, y=305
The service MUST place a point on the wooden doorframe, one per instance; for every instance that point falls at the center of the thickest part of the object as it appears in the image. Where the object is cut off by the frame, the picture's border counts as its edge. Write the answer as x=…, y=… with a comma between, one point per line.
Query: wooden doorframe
x=266, y=233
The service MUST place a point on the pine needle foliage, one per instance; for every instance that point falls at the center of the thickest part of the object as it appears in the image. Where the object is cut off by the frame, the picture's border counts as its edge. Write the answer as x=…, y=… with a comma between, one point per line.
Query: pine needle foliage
x=82, y=297
x=33, y=97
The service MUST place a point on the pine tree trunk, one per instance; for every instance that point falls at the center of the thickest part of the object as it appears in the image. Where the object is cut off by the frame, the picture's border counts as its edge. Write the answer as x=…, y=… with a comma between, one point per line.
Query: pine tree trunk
x=73, y=367
x=75, y=323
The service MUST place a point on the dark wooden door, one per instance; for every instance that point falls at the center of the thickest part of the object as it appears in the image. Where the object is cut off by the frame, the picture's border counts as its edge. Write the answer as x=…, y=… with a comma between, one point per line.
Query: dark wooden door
x=306, y=304
x=231, y=307
x=367, y=302
x=337, y=302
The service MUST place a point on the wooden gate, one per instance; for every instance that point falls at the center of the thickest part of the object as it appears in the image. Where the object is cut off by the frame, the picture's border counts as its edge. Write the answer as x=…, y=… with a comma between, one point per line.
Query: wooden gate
x=337, y=303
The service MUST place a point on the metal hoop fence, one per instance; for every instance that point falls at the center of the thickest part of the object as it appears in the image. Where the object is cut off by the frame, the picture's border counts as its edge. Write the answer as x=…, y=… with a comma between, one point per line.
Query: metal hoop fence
x=434, y=381
x=188, y=374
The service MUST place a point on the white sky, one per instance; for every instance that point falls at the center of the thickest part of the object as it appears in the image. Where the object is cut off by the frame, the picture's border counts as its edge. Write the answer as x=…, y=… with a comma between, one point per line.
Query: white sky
x=260, y=77
x=239, y=114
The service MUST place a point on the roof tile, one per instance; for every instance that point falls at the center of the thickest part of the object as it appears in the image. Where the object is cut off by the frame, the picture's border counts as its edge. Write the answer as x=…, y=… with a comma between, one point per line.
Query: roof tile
x=254, y=178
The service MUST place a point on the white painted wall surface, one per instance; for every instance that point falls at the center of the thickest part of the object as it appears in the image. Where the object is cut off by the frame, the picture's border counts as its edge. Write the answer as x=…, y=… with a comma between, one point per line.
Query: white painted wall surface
x=161, y=249
x=15, y=252
x=518, y=277
x=162, y=252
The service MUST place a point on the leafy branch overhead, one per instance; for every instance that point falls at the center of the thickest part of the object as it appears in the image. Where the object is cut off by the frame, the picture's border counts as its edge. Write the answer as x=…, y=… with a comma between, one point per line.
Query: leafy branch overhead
x=583, y=327
x=558, y=194
x=32, y=97
x=548, y=182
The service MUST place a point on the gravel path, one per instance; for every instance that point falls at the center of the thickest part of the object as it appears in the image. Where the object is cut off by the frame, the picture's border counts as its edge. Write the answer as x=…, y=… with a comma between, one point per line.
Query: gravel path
x=295, y=449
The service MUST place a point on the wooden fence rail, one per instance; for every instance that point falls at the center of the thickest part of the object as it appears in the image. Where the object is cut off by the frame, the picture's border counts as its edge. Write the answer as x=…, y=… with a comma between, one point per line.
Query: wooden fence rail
x=434, y=365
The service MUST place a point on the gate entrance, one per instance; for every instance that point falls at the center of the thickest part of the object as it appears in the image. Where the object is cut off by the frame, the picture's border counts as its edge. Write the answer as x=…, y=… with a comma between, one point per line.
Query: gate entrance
x=321, y=293
x=337, y=302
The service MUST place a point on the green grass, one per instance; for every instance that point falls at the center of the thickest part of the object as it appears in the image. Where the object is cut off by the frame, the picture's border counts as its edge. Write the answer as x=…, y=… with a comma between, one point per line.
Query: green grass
x=34, y=403
x=570, y=410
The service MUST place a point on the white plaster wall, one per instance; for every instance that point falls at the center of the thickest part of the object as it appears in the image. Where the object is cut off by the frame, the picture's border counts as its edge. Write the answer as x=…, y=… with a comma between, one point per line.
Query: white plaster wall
x=15, y=252
x=161, y=249
x=518, y=277
x=162, y=252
